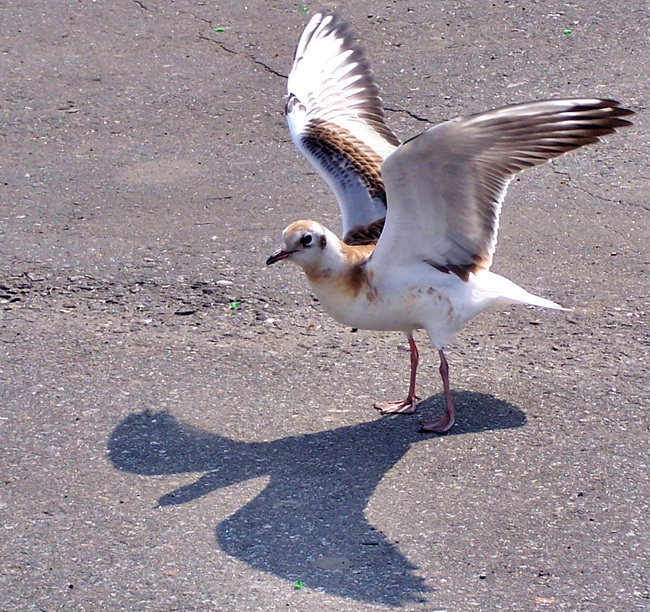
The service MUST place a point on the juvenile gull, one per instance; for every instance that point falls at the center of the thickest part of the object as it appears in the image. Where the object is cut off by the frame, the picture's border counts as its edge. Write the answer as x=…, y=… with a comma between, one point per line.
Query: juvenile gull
x=420, y=219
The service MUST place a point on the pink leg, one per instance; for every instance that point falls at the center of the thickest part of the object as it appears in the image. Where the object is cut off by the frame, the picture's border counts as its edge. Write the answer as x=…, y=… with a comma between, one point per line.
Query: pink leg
x=445, y=422
x=406, y=406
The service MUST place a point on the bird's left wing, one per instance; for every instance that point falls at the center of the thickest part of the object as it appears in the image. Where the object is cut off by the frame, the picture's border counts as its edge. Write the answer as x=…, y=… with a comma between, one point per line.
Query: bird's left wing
x=336, y=119
x=445, y=187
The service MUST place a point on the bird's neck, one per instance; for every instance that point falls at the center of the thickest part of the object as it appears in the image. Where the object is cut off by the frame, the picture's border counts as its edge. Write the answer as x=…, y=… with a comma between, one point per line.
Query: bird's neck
x=342, y=267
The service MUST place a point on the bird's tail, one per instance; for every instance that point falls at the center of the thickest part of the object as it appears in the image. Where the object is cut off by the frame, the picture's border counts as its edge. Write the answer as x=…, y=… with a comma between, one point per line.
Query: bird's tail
x=506, y=292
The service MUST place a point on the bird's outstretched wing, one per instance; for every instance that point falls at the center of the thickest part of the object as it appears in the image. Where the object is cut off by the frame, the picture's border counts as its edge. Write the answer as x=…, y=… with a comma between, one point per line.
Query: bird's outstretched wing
x=336, y=119
x=445, y=187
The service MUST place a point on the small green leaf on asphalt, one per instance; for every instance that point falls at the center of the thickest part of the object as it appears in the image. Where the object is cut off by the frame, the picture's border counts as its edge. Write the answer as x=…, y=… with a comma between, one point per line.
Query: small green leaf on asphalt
x=303, y=9
x=218, y=29
x=298, y=584
x=235, y=304
x=567, y=31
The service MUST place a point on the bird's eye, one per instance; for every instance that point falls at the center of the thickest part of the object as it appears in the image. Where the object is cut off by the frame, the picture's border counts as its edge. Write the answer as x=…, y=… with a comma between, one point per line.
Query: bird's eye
x=306, y=240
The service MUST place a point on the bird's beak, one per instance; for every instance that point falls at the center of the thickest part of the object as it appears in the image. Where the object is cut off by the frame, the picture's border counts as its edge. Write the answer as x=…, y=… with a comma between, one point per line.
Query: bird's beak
x=279, y=255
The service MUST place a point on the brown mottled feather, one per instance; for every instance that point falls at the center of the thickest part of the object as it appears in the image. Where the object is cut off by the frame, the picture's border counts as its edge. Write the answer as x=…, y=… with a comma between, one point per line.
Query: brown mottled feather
x=341, y=152
x=365, y=234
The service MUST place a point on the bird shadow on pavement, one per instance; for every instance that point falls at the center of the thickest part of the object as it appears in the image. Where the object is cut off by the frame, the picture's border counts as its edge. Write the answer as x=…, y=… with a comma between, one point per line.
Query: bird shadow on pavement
x=308, y=523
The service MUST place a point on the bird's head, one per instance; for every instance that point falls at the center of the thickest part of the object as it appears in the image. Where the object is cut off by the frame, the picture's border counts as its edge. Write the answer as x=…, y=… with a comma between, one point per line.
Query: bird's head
x=307, y=244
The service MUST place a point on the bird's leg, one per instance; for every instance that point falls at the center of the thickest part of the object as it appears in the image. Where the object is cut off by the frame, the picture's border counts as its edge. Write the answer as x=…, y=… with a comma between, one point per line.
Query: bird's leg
x=444, y=423
x=406, y=406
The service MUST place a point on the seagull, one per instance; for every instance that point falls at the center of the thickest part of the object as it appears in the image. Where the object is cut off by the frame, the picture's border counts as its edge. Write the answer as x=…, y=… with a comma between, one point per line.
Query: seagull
x=420, y=218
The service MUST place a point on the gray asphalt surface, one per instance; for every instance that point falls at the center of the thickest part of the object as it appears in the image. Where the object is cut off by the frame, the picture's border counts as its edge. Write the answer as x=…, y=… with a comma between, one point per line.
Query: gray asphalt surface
x=184, y=429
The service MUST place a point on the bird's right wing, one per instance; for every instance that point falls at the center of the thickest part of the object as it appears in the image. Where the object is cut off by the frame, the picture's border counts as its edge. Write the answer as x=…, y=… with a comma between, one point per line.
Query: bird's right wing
x=336, y=119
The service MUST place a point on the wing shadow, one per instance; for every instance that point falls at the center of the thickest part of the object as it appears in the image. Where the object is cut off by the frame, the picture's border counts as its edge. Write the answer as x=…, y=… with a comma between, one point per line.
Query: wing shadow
x=312, y=511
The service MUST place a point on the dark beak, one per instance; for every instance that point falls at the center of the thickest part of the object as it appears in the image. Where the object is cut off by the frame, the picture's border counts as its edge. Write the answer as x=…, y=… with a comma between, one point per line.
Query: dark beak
x=279, y=255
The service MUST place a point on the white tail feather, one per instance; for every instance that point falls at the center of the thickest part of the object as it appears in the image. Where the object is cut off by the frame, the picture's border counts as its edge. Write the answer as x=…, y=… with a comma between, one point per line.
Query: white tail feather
x=505, y=291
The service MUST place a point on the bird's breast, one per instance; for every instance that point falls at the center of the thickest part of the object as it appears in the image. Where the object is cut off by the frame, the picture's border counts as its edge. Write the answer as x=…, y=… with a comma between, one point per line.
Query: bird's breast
x=356, y=300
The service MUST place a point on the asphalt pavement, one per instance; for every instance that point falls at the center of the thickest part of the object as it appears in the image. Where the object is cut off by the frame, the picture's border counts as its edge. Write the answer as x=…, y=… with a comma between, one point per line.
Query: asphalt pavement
x=185, y=429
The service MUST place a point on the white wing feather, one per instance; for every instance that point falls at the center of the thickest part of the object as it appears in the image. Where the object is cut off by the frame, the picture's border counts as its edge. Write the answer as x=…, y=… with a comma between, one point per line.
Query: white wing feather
x=336, y=118
x=445, y=187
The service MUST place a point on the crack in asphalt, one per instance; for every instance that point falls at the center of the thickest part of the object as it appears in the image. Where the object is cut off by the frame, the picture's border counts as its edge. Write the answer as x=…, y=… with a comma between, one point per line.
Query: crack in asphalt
x=140, y=4
x=208, y=21
x=598, y=197
x=250, y=57
x=644, y=206
x=409, y=113
x=219, y=44
x=271, y=70
x=569, y=183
